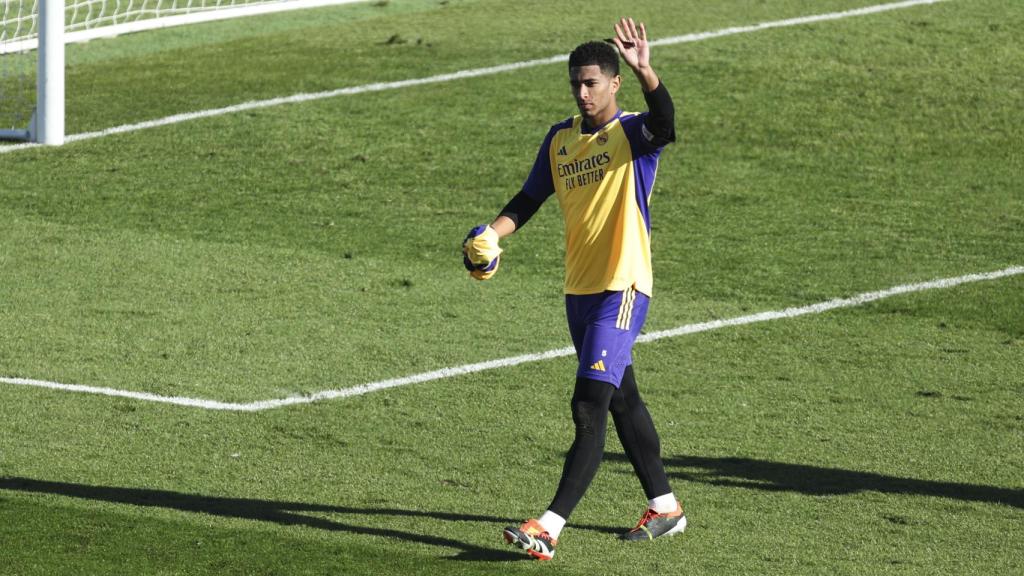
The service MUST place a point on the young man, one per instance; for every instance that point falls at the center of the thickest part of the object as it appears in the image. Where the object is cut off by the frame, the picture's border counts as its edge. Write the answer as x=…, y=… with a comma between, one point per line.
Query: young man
x=601, y=166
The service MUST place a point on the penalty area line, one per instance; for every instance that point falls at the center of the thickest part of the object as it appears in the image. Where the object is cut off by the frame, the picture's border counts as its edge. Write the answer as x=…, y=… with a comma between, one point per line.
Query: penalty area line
x=463, y=74
x=818, y=308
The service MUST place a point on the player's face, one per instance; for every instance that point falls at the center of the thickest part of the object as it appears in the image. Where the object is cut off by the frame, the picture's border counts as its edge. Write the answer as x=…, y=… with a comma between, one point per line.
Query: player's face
x=594, y=92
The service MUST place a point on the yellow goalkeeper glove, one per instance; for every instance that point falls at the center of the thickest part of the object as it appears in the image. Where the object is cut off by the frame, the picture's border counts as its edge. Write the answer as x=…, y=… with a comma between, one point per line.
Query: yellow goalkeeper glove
x=480, y=252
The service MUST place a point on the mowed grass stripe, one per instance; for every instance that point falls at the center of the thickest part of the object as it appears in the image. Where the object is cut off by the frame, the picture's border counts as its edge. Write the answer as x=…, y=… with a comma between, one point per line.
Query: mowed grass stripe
x=462, y=74
x=444, y=373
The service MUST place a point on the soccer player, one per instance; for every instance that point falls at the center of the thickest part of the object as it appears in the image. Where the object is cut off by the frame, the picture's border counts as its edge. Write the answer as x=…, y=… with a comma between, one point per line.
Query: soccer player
x=601, y=166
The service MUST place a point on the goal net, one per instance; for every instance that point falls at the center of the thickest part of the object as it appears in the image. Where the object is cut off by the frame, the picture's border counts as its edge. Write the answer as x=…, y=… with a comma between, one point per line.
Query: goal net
x=17, y=65
x=24, y=46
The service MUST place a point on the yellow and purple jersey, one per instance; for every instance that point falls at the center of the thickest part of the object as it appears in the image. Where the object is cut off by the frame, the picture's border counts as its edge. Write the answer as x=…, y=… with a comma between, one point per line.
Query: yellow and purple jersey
x=603, y=179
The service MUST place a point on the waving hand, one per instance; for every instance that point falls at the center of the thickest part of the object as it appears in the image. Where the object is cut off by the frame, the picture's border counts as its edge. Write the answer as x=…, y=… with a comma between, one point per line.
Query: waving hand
x=631, y=40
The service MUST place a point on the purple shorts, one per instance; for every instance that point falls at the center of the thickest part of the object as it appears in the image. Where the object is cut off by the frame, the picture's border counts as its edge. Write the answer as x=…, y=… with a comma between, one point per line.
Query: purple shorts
x=603, y=328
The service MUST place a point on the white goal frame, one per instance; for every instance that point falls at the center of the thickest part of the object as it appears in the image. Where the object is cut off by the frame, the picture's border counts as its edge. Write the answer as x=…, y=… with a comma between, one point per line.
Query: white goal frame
x=47, y=124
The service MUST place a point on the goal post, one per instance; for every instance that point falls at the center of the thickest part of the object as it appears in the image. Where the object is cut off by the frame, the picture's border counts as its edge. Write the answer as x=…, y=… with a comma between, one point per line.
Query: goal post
x=47, y=126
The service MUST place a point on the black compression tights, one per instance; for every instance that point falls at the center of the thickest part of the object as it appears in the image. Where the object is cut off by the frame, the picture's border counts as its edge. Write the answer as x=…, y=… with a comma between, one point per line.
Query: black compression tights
x=591, y=402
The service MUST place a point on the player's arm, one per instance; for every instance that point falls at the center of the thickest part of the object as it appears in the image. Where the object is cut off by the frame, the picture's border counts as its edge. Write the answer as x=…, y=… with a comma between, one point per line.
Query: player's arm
x=515, y=214
x=631, y=40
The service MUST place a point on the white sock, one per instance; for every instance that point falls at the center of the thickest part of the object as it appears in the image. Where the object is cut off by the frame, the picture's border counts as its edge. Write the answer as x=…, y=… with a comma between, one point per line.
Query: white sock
x=663, y=504
x=553, y=523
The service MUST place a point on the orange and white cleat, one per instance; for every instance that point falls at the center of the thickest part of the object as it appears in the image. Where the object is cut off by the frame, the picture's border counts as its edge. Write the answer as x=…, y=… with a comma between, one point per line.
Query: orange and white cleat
x=533, y=538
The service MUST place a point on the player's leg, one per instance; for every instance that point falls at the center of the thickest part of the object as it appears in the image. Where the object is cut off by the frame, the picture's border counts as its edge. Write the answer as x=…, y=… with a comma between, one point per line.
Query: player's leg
x=598, y=372
x=639, y=438
x=635, y=428
x=590, y=401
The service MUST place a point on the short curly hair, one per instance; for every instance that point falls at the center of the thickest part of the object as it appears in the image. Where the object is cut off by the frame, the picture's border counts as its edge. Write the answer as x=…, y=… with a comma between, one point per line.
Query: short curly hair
x=596, y=53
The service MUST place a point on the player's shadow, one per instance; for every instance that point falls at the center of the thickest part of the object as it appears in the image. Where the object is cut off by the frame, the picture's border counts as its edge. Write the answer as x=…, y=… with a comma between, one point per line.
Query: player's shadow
x=817, y=481
x=284, y=513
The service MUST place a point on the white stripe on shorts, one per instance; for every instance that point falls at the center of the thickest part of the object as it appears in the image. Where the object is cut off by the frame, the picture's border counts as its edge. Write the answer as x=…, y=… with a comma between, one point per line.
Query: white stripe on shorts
x=626, y=309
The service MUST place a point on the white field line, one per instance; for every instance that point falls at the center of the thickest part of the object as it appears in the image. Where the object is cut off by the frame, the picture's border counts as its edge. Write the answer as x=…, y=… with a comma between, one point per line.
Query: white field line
x=463, y=74
x=443, y=373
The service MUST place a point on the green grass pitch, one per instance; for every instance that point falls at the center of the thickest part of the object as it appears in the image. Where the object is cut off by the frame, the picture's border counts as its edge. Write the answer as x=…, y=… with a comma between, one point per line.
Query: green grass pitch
x=314, y=246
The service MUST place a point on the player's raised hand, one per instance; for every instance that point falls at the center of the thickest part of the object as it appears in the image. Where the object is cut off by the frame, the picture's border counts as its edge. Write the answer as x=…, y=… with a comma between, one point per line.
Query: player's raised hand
x=631, y=40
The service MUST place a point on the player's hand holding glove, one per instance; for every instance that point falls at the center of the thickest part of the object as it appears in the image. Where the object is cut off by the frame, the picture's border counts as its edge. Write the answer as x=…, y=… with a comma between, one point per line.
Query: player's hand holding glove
x=480, y=252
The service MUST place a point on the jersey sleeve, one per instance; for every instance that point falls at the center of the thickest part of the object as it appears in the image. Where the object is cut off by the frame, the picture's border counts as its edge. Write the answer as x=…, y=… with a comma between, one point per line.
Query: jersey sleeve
x=520, y=209
x=651, y=131
x=661, y=118
x=539, y=184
